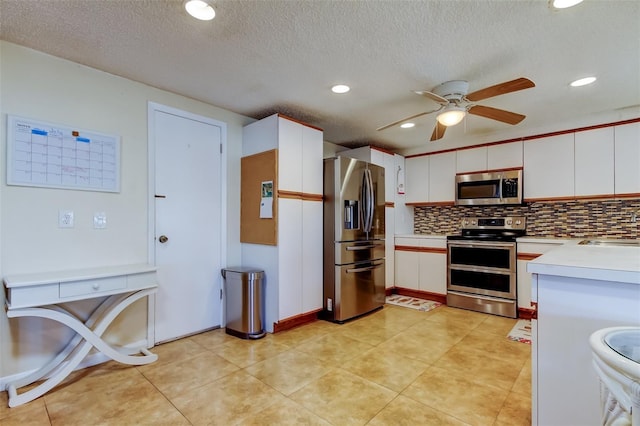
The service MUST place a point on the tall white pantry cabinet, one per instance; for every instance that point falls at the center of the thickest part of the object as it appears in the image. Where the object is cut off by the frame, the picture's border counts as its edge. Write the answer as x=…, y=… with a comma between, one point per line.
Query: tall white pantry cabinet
x=293, y=267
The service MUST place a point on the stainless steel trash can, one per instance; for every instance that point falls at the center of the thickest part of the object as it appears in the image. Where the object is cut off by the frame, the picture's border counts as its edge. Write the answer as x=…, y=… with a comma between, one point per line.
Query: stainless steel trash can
x=244, y=304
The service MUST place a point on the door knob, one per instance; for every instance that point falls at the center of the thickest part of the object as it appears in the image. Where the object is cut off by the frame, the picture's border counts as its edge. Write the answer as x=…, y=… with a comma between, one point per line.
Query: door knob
x=163, y=239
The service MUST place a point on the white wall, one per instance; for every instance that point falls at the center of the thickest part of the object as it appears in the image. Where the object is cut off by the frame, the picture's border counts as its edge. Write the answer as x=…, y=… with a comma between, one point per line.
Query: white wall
x=43, y=87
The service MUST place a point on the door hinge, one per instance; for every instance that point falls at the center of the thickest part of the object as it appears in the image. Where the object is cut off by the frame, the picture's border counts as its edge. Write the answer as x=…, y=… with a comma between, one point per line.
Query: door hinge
x=220, y=294
x=220, y=148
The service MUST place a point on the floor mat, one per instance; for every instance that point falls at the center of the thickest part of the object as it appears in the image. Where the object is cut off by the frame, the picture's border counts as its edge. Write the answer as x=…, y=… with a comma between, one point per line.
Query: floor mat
x=412, y=302
x=521, y=332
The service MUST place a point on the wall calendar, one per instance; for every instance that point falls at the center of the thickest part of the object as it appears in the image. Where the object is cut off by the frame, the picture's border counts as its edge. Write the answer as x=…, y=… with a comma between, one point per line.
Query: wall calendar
x=56, y=156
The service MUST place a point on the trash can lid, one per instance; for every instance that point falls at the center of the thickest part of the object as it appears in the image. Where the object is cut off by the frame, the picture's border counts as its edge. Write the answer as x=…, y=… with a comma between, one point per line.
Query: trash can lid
x=241, y=270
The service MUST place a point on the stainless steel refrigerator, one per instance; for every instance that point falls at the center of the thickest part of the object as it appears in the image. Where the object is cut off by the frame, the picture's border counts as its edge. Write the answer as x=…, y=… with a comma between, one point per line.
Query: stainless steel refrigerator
x=353, y=238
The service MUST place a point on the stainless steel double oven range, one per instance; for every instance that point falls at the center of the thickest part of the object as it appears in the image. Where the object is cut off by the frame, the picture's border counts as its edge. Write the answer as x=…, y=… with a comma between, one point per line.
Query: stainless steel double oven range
x=481, y=265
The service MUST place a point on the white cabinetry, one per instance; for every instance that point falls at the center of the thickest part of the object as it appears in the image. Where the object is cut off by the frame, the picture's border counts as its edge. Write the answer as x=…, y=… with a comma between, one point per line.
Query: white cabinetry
x=417, y=179
x=579, y=290
x=293, y=268
x=421, y=264
x=529, y=249
x=504, y=156
x=549, y=167
x=627, y=159
x=471, y=160
x=442, y=174
x=594, y=162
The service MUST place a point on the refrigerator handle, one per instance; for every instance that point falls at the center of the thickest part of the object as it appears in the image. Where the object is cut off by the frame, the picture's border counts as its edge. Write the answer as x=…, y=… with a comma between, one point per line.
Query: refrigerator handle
x=370, y=200
x=363, y=202
x=364, y=199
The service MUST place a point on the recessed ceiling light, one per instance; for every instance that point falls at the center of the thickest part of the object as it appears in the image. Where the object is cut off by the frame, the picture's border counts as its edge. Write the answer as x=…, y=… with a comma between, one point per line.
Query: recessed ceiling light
x=582, y=81
x=563, y=4
x=407, y=125
x=340, y=88
x=200, y=9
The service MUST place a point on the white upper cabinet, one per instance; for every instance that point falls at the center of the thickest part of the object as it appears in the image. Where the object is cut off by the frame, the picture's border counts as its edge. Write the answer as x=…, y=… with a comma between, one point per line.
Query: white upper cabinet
x=594, y=162
x=471, y=160
x=549, y=167
x=627, y=159
x=504, y=156
x=312, y=146
x=442, y=177
x=417, y=179
x=290, y=155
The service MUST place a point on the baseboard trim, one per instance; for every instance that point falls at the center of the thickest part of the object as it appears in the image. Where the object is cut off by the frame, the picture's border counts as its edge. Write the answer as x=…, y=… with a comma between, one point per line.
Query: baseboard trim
x=295, y=321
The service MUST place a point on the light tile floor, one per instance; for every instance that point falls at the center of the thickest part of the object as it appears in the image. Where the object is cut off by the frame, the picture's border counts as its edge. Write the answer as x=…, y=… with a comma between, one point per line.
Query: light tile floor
x=396, y=366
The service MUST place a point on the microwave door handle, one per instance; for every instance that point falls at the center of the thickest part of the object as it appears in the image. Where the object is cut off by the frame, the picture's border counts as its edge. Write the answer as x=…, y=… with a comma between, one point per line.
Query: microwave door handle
x=500, y=184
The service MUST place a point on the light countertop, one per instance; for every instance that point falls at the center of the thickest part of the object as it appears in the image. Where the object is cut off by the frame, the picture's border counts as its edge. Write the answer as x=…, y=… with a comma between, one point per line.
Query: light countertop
x=620, y=264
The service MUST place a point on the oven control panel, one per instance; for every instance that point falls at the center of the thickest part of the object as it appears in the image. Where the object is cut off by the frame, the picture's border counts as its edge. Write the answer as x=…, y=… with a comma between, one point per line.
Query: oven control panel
x=511, y=222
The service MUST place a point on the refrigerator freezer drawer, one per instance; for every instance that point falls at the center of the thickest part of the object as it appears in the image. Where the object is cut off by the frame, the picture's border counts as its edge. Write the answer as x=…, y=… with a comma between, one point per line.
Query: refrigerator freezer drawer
x=359, y=289
x=359, y=251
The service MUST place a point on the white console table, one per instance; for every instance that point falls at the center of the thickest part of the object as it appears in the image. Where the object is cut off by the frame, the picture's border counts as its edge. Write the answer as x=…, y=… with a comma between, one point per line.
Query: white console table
x=42, y=294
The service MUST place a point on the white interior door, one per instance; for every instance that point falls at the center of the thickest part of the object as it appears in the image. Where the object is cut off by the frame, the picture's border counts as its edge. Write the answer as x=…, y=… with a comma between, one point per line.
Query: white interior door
x=188, y=225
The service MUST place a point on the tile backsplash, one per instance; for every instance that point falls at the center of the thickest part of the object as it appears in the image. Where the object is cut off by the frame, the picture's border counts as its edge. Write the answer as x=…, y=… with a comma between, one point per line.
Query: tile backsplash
x=570, y=219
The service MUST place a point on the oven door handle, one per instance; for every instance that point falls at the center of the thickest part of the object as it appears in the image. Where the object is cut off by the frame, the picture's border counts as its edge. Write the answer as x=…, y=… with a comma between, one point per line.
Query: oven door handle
x=367, y=247
x=365, y=268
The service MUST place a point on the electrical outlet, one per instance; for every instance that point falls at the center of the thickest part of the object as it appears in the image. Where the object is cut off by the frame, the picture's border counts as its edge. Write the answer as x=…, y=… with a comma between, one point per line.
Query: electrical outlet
x=65, y=218
x=99, y=220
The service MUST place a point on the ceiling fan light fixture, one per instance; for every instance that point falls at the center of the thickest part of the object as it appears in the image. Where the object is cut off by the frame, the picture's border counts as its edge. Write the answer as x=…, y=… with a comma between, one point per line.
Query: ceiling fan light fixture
x=451, y=115
x=200, y=9
x=407, y=125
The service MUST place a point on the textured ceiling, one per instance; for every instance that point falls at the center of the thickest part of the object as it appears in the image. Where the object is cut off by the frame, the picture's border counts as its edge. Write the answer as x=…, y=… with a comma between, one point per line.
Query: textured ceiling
x=260, y=57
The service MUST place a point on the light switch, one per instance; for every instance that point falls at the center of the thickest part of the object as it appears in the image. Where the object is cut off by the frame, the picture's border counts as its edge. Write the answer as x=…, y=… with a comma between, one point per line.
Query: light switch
x=99, y=220
x=65, y=218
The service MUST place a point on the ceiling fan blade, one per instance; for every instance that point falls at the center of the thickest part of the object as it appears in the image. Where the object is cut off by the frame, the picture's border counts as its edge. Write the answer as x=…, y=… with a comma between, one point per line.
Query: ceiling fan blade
x=439, y=99
x=501, y=89
x=496, y=114
x=438, y=131
x=395, y=123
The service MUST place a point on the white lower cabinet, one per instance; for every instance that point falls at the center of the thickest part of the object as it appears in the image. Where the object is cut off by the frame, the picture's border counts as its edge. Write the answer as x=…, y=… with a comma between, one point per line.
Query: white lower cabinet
x=311, y=277
x=406, y=269
x=421, y=264
x=432, y=275
x=528, y=249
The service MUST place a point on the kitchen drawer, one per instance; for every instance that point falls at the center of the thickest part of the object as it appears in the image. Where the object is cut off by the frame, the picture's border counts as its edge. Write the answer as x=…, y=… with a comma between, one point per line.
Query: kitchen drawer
x=141, y=281
x=87, y=287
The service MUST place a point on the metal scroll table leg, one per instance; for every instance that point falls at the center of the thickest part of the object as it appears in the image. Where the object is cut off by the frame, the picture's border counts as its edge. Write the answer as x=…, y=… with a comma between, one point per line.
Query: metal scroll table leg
x=88, y=335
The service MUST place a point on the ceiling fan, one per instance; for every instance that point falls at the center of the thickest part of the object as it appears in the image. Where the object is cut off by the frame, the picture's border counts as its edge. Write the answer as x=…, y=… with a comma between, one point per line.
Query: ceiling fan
x=455, y=103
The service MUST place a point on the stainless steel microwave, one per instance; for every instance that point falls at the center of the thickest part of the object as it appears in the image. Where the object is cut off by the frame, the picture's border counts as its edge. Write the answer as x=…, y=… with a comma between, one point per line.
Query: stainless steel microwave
x=490, y=188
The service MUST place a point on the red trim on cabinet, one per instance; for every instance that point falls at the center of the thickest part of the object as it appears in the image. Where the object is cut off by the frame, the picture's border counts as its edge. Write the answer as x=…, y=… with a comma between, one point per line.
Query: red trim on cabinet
x=427, y=204
x=528, y=256
x=422, y=249
x=531, y=137
x=299, y=122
